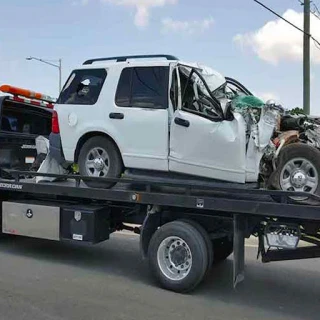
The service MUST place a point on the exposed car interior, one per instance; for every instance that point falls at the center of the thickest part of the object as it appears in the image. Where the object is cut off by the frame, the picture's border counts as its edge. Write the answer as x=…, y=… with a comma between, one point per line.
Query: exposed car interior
x=196, y=97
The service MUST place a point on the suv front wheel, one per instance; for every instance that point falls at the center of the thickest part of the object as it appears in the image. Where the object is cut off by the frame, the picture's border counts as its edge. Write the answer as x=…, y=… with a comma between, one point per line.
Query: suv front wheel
x=100, y=158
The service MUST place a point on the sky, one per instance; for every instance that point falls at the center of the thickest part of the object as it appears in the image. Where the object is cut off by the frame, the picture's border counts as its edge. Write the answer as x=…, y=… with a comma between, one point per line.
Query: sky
x=238, y=38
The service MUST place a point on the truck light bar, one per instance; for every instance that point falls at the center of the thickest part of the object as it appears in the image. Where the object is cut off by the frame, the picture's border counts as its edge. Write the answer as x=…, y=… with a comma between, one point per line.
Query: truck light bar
x=28, y=96
x=26, y=93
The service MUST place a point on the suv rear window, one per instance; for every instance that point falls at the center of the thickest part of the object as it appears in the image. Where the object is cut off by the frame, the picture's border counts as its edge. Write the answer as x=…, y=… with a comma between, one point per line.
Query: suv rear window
x=83, y=87
x=143, y=87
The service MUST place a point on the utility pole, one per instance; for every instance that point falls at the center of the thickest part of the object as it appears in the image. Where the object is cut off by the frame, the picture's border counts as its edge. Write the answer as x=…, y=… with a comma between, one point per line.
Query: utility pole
x=60, y=76
x=306, y=58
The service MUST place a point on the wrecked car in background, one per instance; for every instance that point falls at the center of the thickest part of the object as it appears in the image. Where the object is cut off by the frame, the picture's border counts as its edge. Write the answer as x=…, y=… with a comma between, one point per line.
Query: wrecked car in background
x=168, y=116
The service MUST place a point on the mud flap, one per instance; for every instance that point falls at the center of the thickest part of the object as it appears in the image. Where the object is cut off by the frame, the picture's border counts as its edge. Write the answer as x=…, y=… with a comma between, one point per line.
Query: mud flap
x=239, y=228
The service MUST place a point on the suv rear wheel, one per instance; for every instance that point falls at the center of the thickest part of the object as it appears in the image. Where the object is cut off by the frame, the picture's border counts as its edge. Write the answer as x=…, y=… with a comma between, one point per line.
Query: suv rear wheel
x=99, y=157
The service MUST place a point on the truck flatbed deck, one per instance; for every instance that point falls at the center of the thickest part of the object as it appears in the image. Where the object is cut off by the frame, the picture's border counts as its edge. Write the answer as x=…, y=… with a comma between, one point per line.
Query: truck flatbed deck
x=191, y=194
x=205, y=220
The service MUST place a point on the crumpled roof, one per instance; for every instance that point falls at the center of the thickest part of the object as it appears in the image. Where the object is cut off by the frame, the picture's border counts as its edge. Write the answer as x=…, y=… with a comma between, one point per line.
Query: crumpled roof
x=213, y=78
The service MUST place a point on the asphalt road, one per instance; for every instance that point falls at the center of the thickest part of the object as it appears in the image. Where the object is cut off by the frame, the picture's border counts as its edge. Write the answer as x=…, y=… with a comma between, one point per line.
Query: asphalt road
x=47, y=280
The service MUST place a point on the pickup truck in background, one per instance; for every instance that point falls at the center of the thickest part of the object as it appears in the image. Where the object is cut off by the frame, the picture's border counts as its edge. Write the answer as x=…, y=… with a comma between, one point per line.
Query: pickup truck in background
x=24, y=115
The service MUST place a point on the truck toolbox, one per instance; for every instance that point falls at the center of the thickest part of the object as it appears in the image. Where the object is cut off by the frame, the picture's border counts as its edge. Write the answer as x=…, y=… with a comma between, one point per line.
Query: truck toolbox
x=51, y=221
x=31, y=220
x=89, y=224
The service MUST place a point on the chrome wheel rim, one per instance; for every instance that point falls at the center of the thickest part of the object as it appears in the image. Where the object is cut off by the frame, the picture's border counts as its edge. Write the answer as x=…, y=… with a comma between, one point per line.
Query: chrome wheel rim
x=174, y=258
x=300, y=175
x=97, y=162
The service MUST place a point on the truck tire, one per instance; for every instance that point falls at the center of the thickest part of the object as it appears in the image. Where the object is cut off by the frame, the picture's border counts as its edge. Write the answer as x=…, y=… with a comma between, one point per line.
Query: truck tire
x=178, y=256
x=99, y=157
x=223, y=248
x=207, y=240
x=298, y=169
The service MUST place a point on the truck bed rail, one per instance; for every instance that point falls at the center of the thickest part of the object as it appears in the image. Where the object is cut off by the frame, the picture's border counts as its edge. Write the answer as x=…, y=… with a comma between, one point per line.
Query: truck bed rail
x=165, y=192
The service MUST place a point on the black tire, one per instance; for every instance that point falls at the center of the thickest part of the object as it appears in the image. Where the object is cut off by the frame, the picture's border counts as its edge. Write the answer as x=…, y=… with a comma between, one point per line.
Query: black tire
x=223, y=248
x=297, y=150
x=198, y=248
x=207, y=240
x=115, y=161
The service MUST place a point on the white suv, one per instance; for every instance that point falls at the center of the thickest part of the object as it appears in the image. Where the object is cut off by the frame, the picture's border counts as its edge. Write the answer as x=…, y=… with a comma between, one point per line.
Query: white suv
x=157, y=113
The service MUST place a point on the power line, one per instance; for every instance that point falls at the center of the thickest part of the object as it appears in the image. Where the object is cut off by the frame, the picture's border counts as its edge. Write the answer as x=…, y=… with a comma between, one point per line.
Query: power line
x=316, y=8
x=315, y=11
x=287, y=21
x=278, y=15
x=315, y=15
x=316, y=44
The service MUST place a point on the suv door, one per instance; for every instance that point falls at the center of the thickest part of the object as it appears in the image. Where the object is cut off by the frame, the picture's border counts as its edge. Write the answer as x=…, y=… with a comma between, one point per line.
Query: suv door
x=140, y=117
x=202, y=142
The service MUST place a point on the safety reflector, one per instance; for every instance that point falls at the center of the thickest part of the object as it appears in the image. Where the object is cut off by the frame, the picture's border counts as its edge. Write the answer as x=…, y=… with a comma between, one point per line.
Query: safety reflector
x=33, y=102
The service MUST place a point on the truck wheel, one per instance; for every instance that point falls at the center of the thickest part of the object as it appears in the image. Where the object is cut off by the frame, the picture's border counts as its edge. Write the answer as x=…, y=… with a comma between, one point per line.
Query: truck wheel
x=222, y=249
x=99, y=157
x=299, y=170
x=207, y=240
x=178, y=256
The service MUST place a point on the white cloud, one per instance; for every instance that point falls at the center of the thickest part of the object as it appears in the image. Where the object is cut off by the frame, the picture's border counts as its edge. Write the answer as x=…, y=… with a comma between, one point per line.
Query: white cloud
x=190, y=27
x=142, y=8
x=312, y=77
x=80, y=3
x=265, y=96
x=277, y=40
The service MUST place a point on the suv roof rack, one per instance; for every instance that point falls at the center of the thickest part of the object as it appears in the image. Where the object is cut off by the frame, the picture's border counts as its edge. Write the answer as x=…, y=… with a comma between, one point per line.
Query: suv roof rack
x=125, y=58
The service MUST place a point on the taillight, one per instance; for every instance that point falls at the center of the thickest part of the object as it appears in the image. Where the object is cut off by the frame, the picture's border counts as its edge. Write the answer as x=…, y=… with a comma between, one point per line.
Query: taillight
x=55, y=123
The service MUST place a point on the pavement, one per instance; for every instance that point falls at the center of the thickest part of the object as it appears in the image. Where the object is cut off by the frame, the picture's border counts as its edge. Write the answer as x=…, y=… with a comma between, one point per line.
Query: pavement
x=42, y=280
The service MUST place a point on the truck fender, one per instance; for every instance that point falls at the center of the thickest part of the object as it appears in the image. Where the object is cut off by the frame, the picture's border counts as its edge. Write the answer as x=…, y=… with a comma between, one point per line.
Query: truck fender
x=150, y=224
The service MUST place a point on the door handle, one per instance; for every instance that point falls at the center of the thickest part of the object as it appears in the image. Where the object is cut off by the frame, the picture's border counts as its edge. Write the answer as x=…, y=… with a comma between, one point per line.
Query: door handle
x=116, y=115
x=182, y=122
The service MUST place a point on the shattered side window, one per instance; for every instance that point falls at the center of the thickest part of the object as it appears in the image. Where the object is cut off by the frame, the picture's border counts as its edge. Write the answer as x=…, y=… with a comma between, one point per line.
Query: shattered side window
x=83, y=87
x=195, y=96
x=236, y=87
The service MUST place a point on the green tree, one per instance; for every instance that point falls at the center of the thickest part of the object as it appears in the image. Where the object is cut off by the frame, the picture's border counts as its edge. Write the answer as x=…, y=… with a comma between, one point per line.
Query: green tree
x=297, y=111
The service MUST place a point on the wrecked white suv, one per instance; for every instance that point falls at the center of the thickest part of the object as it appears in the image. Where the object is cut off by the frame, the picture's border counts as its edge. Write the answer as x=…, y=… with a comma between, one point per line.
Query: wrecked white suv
x=157, y=113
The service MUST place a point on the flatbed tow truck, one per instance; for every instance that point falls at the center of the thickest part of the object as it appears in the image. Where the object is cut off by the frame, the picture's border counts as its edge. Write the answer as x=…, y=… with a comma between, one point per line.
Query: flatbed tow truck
x=185, y=226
